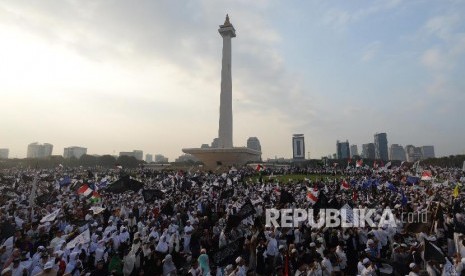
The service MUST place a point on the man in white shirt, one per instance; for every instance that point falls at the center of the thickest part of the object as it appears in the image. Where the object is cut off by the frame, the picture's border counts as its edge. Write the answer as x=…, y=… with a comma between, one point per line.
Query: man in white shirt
x=272, y=251
x=187, y=236
x=326, y=264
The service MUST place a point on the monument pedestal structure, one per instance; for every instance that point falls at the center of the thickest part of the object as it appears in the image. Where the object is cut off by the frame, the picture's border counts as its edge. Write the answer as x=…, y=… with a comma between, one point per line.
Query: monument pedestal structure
x=225, y=157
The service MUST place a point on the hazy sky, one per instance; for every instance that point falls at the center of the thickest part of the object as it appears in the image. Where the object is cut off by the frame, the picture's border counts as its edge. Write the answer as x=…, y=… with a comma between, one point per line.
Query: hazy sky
x=121, y=75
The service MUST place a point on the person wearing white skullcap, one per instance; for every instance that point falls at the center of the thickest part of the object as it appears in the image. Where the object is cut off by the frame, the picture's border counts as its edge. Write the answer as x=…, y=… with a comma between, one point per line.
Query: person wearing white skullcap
x=187, y=236
x=414, y=269
x=241, y=269
x=48, y=270
x=368, y=269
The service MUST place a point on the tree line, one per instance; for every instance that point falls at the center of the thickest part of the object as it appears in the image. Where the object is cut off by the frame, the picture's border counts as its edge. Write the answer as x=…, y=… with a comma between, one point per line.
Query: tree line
x=104, y=161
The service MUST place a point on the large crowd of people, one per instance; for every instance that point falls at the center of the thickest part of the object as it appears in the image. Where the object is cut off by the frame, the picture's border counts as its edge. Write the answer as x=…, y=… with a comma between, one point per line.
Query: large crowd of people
x=68, y=221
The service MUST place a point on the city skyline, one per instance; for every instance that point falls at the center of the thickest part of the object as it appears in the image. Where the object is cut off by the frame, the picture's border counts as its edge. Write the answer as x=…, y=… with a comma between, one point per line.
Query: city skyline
x=390, y=66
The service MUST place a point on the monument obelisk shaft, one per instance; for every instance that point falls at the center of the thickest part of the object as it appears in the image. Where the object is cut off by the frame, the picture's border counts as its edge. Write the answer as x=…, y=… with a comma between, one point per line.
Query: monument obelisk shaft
x=225, y=131
x=224, y=154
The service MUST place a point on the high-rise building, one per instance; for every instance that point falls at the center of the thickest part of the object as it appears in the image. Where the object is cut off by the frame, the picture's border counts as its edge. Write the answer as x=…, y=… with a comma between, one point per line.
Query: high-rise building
x=413, y=153
x=149, y=158
x=427, y=152
x=353, y=151
x=381, y=146
x=254, y=143
x=138, y=154
x=76, y=152
x=36, y=150
x=4, y=153
x=368, y=151
x=396, y=153
x=342, y=149
x=159, y=158
x=298, y=147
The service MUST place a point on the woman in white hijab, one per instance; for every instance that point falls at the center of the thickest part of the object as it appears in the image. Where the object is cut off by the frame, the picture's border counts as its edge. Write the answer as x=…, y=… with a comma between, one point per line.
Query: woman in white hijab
x=72, y=268
x=174, y=243
x=128, y=263
x=169, y=269
x=162, y=246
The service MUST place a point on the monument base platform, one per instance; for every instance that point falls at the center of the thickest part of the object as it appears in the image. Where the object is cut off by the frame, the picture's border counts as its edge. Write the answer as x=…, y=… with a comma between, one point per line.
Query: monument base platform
x=224, y=157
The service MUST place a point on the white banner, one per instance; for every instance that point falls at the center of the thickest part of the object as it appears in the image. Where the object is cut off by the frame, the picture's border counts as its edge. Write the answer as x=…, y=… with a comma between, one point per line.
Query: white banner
x=50, y=217
x=96, y=209
x=83, y=238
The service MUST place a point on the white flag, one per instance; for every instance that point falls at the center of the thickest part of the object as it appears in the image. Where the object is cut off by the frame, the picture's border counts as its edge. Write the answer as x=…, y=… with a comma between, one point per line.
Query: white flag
x=83, y=238
x=96, y=209
x=50, y=217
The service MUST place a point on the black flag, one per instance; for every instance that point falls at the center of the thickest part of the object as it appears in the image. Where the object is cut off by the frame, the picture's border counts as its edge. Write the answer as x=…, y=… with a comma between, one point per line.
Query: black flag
x=124, y=184
x=320, y=204
x=432, y=252
x=227, y=194
x=233, y=222
x=167, y=209
x=227, y=254
x=47, y=198
x=151, y=195
x=286, y=197
x=246, y=210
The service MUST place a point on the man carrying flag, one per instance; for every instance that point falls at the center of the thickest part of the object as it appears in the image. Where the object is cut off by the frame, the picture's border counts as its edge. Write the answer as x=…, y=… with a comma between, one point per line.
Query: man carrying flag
x=345, y=185
x=312, y=195
x=354, y=196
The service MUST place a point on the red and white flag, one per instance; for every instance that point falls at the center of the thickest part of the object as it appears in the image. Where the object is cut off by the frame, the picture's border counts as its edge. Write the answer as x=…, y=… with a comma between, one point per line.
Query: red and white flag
x=359, y=163
x=426, y=175
x=312, y=195
x=260, y=168
x=344, y=185
x=375, y=165
x=85, y=190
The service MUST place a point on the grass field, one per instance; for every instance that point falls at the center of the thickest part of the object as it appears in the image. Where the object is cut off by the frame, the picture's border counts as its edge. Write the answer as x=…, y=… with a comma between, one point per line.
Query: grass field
x=292, y=178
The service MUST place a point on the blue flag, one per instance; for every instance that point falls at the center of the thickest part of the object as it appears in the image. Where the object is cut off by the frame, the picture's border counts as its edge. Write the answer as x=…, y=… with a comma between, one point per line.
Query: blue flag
x=65, y=181
x=391, y=187
x=404, y=199
x=366, y=184
x=412, y=180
